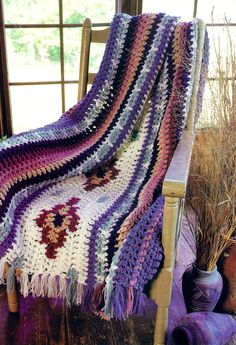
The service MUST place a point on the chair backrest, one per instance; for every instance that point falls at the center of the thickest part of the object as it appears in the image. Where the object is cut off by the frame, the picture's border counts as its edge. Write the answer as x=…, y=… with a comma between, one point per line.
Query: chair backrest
x=88, y=36
x=100, y=36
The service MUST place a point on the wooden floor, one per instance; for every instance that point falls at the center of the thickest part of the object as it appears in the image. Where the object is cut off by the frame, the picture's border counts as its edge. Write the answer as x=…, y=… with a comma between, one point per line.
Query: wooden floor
x=41, y=321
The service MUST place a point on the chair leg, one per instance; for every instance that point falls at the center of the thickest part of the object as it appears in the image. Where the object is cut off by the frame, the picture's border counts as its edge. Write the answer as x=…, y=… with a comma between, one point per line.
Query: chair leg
x=178, y=230
x=161, y=319
x=12, y=297
x=161, y=293
x=162, y=286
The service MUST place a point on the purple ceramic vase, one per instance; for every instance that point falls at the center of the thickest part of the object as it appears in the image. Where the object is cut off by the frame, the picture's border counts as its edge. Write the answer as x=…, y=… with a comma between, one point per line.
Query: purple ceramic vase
x=204, y=328
x=201, y=289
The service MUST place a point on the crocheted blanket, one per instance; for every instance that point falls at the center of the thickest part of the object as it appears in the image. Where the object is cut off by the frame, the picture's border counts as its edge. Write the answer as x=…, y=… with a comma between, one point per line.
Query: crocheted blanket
x=80, y=199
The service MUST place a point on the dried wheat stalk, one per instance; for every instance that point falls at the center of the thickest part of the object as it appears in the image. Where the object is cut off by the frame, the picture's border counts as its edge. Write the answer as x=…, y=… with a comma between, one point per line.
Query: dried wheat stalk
x=212, y=182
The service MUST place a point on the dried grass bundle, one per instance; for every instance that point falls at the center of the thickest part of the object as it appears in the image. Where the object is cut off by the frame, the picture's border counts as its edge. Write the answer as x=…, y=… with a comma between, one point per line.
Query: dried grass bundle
x=212, y=181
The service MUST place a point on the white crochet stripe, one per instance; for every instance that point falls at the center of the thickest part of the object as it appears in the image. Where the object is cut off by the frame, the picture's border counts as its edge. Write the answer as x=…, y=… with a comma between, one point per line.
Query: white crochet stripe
x=41, y=285
x=2, y=270
x=76, y=248
x=133, y=149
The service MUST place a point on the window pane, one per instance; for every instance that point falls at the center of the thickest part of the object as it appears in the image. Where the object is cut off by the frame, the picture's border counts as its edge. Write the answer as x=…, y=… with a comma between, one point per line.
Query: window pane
x=206, y=115
x=33, y=54
x=71, y=91
x=183, y=8
x=34, y=106
x=98, y=11
x=31, y=12
x=72, y=44
x=218, y=102
x=96, y=54
x=218, y=8
x=220, y=47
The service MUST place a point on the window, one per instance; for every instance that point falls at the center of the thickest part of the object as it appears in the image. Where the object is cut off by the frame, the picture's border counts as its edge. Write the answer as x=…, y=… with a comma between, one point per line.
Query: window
x=220, y=17
x=43, y=49
x=183, y=8
x=211, y=11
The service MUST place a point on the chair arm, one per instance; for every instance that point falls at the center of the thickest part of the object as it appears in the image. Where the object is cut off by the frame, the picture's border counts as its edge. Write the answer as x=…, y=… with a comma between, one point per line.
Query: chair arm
x=175, y=181
x=176, y=178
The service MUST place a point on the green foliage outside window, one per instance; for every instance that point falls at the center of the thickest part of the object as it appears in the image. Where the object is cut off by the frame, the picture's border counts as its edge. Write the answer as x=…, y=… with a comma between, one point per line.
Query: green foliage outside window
x=43, y=44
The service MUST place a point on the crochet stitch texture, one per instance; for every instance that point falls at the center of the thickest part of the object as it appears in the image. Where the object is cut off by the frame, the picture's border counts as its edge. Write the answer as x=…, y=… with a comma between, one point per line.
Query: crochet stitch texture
x=80, y=199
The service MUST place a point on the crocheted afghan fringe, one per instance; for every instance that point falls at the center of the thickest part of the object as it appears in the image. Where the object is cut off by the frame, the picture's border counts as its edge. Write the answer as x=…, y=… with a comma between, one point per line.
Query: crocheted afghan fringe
x=80, y=199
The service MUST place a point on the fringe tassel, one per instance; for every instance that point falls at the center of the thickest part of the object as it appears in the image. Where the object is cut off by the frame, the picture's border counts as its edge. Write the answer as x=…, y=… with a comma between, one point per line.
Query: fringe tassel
x=130, y=301
x=62, y=287
x=43, y=285
x=71, y=292
x=109, y=292
x=35, y=285
x=79, y=294
x=11, y=284
x=52, y=287
x=140, y=303
x=2, y=271
x=87, y=300
x=119, y=303
x=98, y=297
x=24, y=284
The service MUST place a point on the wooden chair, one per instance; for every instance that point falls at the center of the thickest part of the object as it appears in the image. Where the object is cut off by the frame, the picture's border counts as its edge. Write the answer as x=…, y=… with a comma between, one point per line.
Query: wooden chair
x=88, y=36
x=175, y=182
x=174, y=186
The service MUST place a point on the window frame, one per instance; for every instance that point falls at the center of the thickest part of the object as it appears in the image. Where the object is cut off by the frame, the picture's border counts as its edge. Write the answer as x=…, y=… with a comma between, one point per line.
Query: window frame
x=5, y=106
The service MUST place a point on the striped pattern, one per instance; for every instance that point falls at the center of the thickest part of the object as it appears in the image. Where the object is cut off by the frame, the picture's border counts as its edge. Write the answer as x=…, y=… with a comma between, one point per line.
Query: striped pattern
x=80, y=203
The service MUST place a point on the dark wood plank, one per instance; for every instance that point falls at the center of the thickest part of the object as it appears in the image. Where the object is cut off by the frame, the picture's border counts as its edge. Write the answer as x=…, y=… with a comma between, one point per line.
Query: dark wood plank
x=87, y=329
x=84, y=328
x=10, y=332
x=56, y=322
